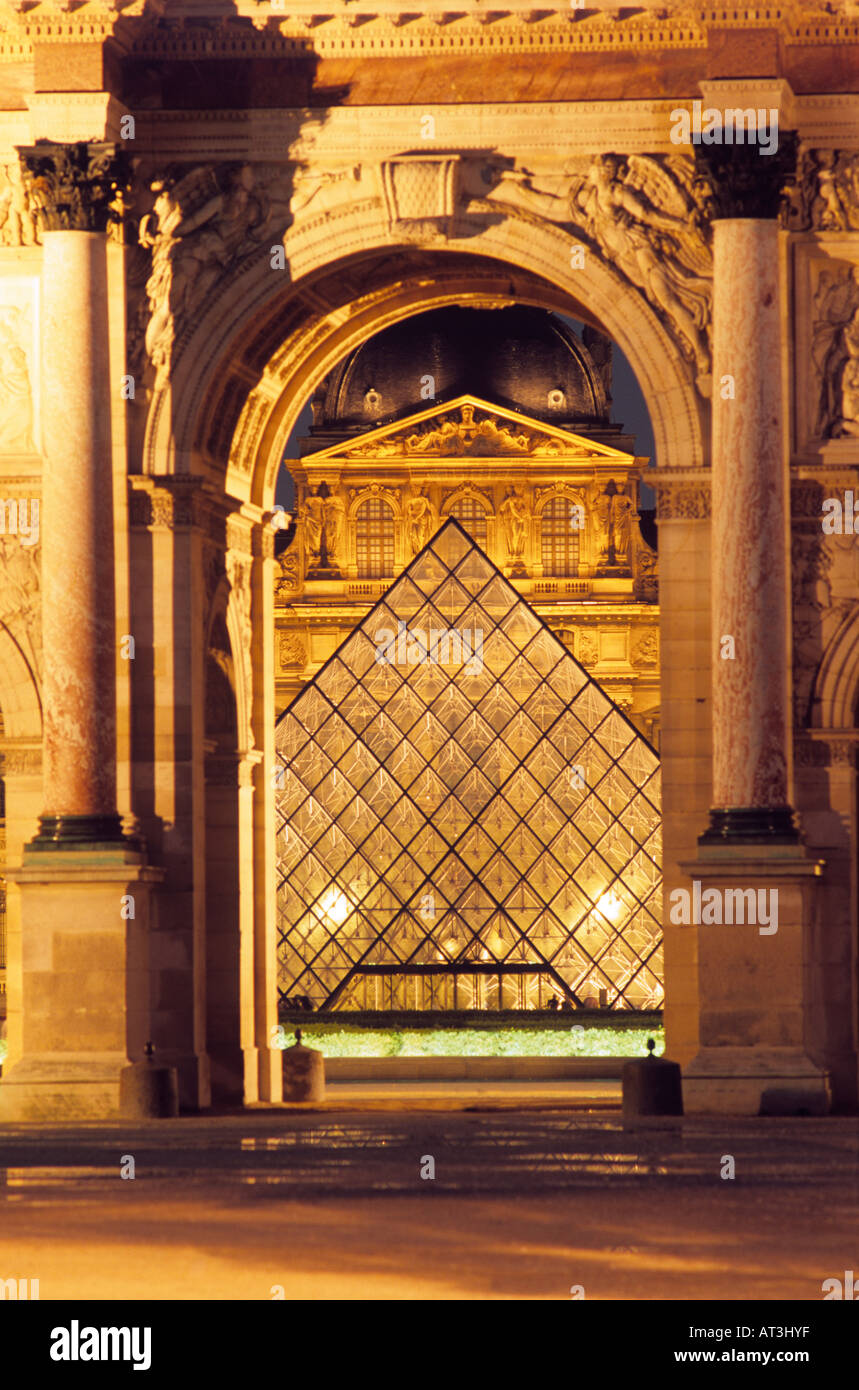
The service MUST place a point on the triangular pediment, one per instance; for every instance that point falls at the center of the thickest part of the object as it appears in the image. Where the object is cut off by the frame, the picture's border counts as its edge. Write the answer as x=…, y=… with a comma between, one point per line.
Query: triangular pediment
x=469, y=427
x=461, y=809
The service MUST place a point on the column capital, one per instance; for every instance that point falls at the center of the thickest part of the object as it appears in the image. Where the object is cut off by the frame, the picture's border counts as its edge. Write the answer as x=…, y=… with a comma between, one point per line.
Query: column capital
x=739, y=181
x=74, y=188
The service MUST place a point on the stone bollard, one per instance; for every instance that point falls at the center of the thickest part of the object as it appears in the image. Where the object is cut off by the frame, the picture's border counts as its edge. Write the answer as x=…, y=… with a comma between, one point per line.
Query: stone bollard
x=148, y=1092
x=303, y=1072
x=652, y=1092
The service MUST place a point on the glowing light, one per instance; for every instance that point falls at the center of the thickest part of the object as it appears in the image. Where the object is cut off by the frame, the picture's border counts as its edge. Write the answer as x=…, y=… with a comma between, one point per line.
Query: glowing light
x=334, y=907
x=611, y=907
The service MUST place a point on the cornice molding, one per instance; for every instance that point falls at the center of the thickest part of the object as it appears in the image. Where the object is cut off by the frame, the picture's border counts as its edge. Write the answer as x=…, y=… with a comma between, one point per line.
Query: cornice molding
x=194, y=29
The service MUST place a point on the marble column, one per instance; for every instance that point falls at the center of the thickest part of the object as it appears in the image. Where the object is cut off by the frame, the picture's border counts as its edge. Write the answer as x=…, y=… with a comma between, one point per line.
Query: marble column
x=80, y=986
x=755, y=991
x=73, y=187
x=750, y=500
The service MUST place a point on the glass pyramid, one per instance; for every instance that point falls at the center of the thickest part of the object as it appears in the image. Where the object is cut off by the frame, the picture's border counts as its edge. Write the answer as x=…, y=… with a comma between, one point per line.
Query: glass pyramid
x=465, y=820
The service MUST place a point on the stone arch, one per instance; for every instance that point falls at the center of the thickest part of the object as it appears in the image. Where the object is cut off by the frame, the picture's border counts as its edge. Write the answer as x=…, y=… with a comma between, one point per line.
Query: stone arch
x=237, y=386
x=282, y=340
x=468, y=490
x=367, y=493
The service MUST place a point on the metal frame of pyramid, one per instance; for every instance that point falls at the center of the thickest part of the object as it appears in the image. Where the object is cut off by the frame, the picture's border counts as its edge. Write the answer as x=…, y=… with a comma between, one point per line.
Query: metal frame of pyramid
x=475, y=834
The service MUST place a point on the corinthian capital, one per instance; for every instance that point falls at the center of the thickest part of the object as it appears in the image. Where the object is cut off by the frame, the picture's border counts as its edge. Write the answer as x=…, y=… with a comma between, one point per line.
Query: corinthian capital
x=74, y=187
x=739, y=181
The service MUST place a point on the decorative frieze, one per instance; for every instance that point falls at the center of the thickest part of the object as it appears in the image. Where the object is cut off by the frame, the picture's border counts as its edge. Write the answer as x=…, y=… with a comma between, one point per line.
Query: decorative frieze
x=682, y=502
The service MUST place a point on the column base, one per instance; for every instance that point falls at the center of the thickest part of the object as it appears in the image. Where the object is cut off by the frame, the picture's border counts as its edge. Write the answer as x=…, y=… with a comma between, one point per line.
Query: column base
x=51, y=1088
x=771, y=825
x=754, y=1081
x=77, y=832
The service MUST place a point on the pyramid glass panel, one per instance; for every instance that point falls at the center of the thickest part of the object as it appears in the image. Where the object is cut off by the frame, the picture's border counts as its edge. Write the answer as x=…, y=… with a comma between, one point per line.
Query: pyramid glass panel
x=464, y=819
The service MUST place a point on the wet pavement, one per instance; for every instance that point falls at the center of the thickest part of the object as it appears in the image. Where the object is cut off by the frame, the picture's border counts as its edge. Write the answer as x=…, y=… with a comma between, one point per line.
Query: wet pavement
x=520, y=1205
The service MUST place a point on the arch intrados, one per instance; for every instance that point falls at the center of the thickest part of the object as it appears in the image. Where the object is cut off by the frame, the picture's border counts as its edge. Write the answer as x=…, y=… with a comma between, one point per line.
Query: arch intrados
x=275, y=392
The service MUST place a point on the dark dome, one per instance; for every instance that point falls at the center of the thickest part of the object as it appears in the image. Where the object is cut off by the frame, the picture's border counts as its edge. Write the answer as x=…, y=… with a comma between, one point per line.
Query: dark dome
x=526, y=359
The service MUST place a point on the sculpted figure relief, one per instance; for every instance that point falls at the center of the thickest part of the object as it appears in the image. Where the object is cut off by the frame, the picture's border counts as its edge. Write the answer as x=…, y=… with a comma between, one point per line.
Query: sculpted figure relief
x=627, y=209
x=834, y=349
x=17, y=222
x=644, y=216
x=16, y=399
x=197, y=226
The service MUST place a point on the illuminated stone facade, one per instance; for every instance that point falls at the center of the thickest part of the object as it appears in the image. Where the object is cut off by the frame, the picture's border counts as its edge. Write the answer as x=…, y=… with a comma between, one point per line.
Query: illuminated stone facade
x=204, y=209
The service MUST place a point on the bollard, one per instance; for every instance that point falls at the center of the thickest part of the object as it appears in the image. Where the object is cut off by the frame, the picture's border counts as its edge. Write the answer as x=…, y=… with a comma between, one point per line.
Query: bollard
x=652, y=1091
x=303, y=1072
x=148, y=1092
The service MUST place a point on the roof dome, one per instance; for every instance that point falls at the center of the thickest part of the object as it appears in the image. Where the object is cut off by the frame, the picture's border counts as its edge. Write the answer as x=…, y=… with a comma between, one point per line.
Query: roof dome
x=522, y=358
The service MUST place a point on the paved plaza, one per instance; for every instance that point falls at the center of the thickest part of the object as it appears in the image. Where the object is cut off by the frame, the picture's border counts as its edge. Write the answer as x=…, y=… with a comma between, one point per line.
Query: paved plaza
x=523, y=1205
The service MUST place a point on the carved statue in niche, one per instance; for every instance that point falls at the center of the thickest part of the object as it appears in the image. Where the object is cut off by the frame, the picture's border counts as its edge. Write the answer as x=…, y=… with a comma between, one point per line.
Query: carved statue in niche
x=647, y=225
x=334, y=517
x=515, y=516
x=312, y=516
x=836, y=303
x=614, y=514
x=419, y=516
x=16, y=399
x=197, y=225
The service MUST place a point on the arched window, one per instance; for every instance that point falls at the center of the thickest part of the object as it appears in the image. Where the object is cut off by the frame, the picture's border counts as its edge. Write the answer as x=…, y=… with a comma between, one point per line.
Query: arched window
x=374, y=539
x=560, y=538
x=471, y=515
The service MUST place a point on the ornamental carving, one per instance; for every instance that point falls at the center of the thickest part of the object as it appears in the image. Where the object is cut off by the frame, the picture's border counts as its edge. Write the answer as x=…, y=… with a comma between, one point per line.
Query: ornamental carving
x=738, y=181
x=20, y=598
x=830, y=190
x=289, y=581
x=202, y=222
x=587, y=649
x=18, y=222
x=682, y=502
x=646, y=652
x=643, y=215
x=835, y=351
x=166, y=504
x=292, y=651
x=21, y=761
x=77, y=188
x=467, y=431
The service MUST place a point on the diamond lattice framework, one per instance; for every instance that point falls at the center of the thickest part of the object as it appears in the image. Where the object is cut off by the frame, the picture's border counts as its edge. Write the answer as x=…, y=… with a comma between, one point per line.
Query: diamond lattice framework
x=464, y=818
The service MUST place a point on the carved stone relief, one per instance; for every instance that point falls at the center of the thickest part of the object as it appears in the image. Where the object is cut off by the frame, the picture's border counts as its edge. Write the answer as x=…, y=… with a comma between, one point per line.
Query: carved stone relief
x=20, y=598
x=835, y=350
